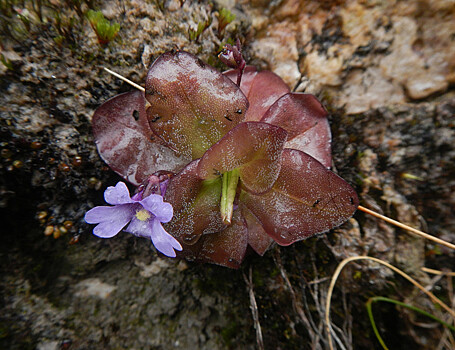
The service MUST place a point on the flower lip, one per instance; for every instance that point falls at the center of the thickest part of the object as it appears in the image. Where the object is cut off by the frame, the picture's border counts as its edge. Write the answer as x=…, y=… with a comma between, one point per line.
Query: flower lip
x=155, y=205
x=110, y=220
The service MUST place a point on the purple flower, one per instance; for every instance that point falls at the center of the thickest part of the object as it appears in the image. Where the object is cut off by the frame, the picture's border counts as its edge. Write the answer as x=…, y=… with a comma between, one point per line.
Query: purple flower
x=144, y=216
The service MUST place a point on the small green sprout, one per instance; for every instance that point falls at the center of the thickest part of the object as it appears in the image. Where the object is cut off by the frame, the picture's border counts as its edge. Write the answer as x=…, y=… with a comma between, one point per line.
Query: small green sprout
x=105, y=31
x=7, y=8
x=399, y=303
x=59, y=40
x=224, y=18
x=201, y=27
x=64, y=26
x=409, y=176
x=6, y=62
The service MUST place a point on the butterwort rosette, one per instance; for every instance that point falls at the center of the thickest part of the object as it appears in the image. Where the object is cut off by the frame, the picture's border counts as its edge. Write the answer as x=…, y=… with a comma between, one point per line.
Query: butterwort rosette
x=249, y=164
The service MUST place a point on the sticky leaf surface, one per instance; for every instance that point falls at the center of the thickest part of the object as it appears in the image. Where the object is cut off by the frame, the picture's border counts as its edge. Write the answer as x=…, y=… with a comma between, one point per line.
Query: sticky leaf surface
x=305, y=120
x=126, y=142
x=306, y=199
x=258, y=239
x=196, y=205
x=262, y=90
x=254, y=148
x=227, y=247
x=191, y=104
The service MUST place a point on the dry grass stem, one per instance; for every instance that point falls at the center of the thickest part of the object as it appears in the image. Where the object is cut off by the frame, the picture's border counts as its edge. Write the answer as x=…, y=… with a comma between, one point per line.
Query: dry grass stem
x=295, y=303
x=407, y=228
x=254, y=308
x=125, y=79
x=401, y=273
x=447, y=340
x=437, y=272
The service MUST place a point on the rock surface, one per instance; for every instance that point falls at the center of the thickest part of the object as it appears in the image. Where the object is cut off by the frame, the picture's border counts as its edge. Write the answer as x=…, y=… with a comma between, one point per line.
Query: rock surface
x=384, y=69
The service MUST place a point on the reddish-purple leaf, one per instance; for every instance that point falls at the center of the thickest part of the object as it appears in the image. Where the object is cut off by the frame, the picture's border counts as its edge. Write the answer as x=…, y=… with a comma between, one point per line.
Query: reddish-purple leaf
x=305, y=120
x=196, y=205
x=192, y=105
x=305, y=200
x=262, y=90
x=247, y=78
x=258, y=239
x=254, y=148
x=228, y=247
x=124, y=139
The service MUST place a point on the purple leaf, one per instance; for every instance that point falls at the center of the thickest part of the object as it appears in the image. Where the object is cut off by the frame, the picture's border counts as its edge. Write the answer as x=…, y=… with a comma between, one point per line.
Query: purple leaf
x=226, y=248
x=258, y=239
x=254, y=147
x=124, y=139
x=262, y=90
x=196, y=205
x=305, y=120
x=305, y=200
x=192, y=105
x=247, y=78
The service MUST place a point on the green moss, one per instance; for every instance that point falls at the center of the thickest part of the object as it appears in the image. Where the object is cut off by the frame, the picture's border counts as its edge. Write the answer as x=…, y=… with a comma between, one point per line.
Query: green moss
x=229, y=333
x=258, y=280
x=224, y=18
x=194, y=34
x=104, y=30
x=6, y=62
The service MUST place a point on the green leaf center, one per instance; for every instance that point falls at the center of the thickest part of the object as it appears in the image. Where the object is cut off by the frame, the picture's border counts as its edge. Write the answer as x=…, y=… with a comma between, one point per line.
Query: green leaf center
x=228, y=191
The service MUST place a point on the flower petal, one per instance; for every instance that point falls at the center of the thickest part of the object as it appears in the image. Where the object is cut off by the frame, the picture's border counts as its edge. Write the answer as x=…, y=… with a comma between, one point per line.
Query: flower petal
x=140, y=228
x=163, y=241
x=106, y=213
x=118, y=194
x=154, y=203
x=111, y=219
